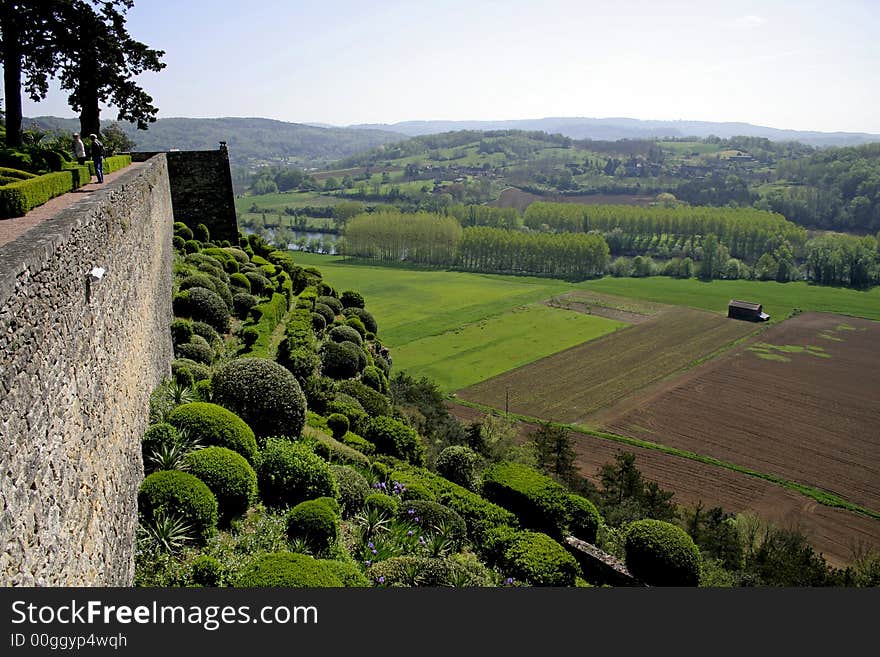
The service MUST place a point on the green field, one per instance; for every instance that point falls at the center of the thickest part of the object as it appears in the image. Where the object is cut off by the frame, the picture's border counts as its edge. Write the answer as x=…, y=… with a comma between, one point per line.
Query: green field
x=483, y=349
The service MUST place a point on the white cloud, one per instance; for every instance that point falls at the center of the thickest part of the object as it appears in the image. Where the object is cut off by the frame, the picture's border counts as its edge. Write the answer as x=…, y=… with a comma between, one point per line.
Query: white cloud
x=749, y=22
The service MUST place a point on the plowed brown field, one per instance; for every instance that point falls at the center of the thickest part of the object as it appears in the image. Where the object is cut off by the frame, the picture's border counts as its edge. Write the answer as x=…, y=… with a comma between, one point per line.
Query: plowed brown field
x=804, y=404
x=572, y=384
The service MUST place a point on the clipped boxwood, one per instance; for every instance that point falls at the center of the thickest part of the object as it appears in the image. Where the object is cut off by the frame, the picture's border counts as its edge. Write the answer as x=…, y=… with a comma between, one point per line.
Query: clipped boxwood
x=314, y=523
x=359, y=443
x=343, y=333
x=538, y=501
x=242, y=302
x=287, y=569
x=206, y=571
x=393, y=437
x=265, y=394
x=211, y=424
x=208, y=332
x=351, y=299
x=661, y=554
x=338, y=425
x=382, y=503
x=172, y=492
x=373, y=377
x=290, y=473
x=18, y=198
x=331, y=302
x=341, y=360
x=204, y=305
x=432, y=516
x=325, y=311
x=365, y=316
x=229, y=476
x=353, y=489
x=538, y=560
x=155, y=437
x=458, y=463
x=374, y=403
x=197, y=279
x=197, y=350
x=348, y=572
x=584, y=518
x=239, y=280
x=188, y=372
x=181, y=331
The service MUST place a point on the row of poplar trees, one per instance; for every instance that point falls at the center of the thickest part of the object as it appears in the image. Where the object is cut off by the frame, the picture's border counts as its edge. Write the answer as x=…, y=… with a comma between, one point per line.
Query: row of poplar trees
x=85, y=44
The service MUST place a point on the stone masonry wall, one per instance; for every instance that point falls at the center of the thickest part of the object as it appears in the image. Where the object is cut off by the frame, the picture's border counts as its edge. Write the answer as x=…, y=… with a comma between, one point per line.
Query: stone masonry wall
x=78, y=361
x=201, y=190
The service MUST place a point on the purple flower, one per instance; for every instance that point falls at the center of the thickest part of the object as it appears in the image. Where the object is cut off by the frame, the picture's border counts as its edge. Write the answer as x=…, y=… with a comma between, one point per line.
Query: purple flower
x=368, y=563
x=410, y=532
x=381, y=579
x=422, y=540
x=373, y=551
x=416, y=519
x=370, y=545
x=509, y=581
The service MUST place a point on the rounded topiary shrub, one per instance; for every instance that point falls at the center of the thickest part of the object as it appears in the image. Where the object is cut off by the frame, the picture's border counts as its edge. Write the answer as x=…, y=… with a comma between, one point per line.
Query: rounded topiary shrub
x=357, y=325
x=458, y=463
x=259, y=283
x=156, y=436
x=345, y=333
x=201, y=233
x=182, y=230
x=340, y=360
x=382, y=503
x=365, y=316
x=239, y=280
x=353, y=489
x=291, y=473
x=181, y=331
x=206, y=571
x=199, y=279
x=351, y=299
x=248, y=335
x=207, y=306
x=338, y=425
x=198, y=350
x=180, y=494
x=208, y=332
x=331, y=302
x=373, y=402
x=393, y=437
x=373, y=377
x=229, y=476
x=211, y=424
x=584, y=518
x=287, y=569
x=537, y=559
x=318, y=323
x=661, y=554
x=242, y=302
x=412, y=571
x=326, y=312
x=347, y=571
x=314, y=523
x=191, y=246
x=188, y=372
x=433, y=518
x=178, y=243
x=265, y=394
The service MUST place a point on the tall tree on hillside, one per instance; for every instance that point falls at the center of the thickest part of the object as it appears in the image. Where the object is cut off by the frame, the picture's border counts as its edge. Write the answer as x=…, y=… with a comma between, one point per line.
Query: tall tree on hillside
x=26, y=42
x=100, y=60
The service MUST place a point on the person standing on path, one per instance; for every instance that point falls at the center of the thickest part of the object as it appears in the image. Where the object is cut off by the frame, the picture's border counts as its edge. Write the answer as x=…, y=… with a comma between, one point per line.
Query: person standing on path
x=97, y=157
x=79, y=149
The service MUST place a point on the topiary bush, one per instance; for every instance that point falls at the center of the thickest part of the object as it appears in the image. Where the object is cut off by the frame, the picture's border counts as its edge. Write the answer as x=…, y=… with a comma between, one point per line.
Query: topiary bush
x=374, y=403
x=434, y=517
x=345, y=333
x=188, y=372
x=356, y=324
x=383, y=503
x=393, y=437
x=340, y=360
x=229, y=476
x=239, y=280
x=373, y=377
x=181, y=331
x=338, y=425
x=259, y=283
x=365, y=316
x=206, y=306
x=208, y=332
x=331, y=302
x=351, y=299
x=287, y=569
x=201, y=233
x=211, y=424
x=198, y=350
x=242, y=302
x=314, y=523
x=265, y=394
x=206, y=571
x=661, y=554
x=537, y=559
x=290, y=473
x=182, y=230
x=458, y=463
x=199, y=279
x=538, y=501
x=584, y=518
x=172, y=492
x=353, y=489
x=155, y=437
x=348, y=572
x=413, y=571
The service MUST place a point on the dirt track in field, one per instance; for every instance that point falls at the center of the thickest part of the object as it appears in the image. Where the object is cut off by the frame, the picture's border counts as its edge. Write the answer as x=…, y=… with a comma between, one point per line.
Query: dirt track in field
x=833, y=532
x=803, y=404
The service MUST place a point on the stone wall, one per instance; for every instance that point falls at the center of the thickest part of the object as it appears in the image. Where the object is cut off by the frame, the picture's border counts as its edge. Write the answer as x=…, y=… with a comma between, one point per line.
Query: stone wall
x=78, y=360
x=201, y=190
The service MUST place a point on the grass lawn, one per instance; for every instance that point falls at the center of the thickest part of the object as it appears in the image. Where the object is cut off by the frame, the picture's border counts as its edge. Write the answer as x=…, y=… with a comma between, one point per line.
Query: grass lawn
x=478, y=351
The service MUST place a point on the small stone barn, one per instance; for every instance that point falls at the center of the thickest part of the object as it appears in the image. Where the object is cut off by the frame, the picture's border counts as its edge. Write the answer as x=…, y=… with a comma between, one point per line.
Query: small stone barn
x=747, y=310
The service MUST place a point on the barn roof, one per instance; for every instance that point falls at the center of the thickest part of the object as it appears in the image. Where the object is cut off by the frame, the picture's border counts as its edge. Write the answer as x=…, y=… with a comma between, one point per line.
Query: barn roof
x=746, y=305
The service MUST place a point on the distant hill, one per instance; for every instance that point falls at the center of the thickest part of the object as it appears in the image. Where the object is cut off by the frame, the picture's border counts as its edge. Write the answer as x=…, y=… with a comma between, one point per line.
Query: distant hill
x=251, y=141
x=624, y=128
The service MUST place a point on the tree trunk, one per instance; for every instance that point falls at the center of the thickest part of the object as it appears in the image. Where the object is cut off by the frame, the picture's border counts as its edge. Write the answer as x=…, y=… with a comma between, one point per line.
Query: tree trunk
x=11, y=76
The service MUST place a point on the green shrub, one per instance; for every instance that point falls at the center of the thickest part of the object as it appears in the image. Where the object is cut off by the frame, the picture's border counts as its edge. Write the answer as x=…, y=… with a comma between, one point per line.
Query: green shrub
x=365, y=316
x=351, y=299
x=198, y=279
x=325, y=311
x=350, y=408
x=291, y=473
x=208, y=332
x=382, y=503
x=188, y=372
x=458, y=463
x=359, y=443
x=240, y=256
x=263, y=393
x=242, y=304
x=259, y=283
x=356, y=324
x=178, y=243
x=433, y=517
x=229, y=476
x=584, y=518
x=201, y=233
x=171, y=492
x=18, y=198
x=353, y=489
x=288, y=570
x=374, y=403
x=538, y=501
x=538, y=560
x=197, y=350
x=205, y=305
x=661, y=554
x=182, y=230
x=348, y=572
x=206, y=571
x=181, y=331
x=239, y=280
x=318, y=322
x=155, y=437
x=211, y=424
x=340, y=361
x=331, y=302
x=248, y=335
x=343, y=333
x=393, y=437
x=373, y=377
x=319, y=391
x=314, y=523
x=416, y=491
x=191, y=246
x=337, y=451
x=338, y=425
x=413, y=571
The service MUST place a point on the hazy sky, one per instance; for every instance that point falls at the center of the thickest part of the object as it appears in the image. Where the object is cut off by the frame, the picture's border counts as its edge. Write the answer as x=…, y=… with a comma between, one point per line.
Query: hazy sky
x=801, y=64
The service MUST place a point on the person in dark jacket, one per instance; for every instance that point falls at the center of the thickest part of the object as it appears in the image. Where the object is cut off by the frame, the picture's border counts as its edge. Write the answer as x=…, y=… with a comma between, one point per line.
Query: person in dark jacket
x=97, y=153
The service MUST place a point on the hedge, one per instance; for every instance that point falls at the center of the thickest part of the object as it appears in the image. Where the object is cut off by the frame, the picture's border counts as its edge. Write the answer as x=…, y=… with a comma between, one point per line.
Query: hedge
x=211, y=424
x=538, y=560
x=287, y=569
x=19, y=198
x=265, y=317
x=111, y=164
x=661, y=554
x=374, y=403
x=538, y=501
x=393, y=437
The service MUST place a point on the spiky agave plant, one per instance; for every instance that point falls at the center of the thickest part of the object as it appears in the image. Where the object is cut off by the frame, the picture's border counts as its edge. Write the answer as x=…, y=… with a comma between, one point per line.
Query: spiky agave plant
x=172, y=455
x=164, y=533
